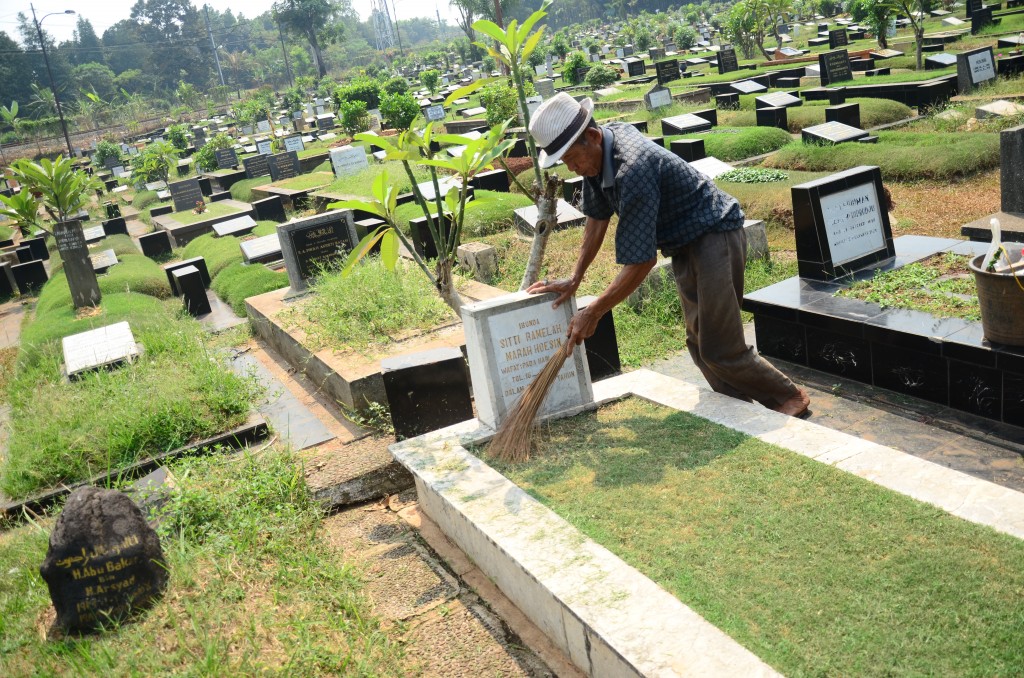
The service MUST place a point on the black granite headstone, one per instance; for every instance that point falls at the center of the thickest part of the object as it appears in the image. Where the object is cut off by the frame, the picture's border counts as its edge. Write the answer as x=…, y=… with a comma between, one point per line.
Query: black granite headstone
x=602, y=346
x=104, y=560
x=156, y=245
x=842, y=224
x=688, y=149
x=422, y=240
x=24, y=253
x=161, y=210
x=972, y=6
x=772, y=117
x=1011, y=175
x=29, y=276
x=78, y=267
x=198, y=262
x=204, y=186
x=116, y=226
x=38, y=248
x=837, y=38
x=492, y=180
x=113, y=209
x=226, y=158
x=834, y=66
x=848, y=114
x=270, y=209
x=427, y=391
x=284, y=165
x=975, y=67
x=7, y=282
x=188, y=282
x=185, y=194
x=256, y=166
x=217, y=196
x=980, y=19
x=309, y=244
x=727, y=62
x=836, y=96
x=667, y=71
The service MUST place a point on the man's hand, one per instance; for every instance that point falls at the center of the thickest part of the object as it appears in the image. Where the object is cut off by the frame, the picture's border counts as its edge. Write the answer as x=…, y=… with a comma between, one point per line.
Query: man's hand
x=582, y=326
x=565, y=288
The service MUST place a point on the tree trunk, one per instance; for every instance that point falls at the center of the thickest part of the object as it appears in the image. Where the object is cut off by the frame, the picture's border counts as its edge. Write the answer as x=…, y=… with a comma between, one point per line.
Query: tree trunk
x=446, y=286
x=547, y=201
x=317, y=56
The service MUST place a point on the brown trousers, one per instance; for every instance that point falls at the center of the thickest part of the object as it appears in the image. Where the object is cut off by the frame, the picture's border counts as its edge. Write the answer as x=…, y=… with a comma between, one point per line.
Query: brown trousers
x=709, y=276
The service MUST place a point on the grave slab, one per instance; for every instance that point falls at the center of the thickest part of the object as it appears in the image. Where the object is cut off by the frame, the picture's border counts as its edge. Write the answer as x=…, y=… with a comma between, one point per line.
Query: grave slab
x=102, y=347
x=686, y=123
x=156, y=244
x=998, y=109
x=831, y=133
x=234, y=227
x=310, y=243
x=102, y=261
x=711, y=167
x=262, y=250
x=567, y=216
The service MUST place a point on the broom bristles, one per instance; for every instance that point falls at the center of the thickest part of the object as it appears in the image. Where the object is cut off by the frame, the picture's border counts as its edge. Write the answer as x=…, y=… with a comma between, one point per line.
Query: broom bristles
x=514, y=438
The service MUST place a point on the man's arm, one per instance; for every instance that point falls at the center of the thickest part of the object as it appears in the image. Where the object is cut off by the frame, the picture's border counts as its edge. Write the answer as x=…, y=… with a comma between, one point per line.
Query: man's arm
x=584, y=323
x=593, y=236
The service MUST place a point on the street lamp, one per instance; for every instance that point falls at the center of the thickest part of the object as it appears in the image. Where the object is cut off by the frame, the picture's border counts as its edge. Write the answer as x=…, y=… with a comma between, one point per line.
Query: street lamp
x=53, y=85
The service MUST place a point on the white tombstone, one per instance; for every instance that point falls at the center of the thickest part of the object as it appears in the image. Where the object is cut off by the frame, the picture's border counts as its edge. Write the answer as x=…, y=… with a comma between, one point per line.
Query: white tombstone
x=348, y=160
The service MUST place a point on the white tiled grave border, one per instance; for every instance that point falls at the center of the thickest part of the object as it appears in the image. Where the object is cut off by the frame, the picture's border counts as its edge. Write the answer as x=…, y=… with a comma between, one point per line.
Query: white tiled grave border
x=610, y=619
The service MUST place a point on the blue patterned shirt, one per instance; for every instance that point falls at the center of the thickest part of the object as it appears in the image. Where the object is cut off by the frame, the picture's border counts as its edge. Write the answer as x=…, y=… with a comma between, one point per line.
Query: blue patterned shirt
x=662, y=201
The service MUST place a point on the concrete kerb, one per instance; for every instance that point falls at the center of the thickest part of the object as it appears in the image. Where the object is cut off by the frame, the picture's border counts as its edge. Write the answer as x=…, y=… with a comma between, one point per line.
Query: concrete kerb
x=606, y=616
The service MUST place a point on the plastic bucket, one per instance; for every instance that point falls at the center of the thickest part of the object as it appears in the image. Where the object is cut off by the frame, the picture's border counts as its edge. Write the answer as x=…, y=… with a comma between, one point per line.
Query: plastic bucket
x=1002, y=301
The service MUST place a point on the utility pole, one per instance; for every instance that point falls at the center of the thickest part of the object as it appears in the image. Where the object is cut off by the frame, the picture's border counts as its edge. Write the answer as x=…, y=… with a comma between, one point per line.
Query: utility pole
x=440, y=26
x=53, y=85
x=213, y=45
x=398, y=33
x=284, y=51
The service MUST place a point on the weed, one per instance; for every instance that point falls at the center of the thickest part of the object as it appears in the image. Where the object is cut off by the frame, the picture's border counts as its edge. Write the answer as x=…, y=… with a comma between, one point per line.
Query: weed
x=942, y=286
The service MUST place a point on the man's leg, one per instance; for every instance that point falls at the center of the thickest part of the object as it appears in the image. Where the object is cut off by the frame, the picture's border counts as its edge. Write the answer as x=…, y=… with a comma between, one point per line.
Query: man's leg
x=716, y=261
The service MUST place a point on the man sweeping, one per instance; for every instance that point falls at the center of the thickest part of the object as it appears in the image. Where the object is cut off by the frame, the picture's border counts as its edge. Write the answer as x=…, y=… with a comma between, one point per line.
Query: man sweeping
x=662, y=203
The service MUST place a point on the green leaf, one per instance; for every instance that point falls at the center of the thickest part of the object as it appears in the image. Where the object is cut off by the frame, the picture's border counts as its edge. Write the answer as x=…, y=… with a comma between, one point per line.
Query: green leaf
x=532, y=19
x=490, y=29
x=372, y=207
x=531, y=44
x=362, y=249
x=467, y=90
x=389, y=249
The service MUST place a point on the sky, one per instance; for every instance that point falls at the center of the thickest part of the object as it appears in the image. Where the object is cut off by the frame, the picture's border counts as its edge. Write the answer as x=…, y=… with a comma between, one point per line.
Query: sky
x=105, y=13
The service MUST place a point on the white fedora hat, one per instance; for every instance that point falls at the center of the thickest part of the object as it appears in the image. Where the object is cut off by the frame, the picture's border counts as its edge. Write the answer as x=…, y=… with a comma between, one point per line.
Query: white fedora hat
x=557, y=124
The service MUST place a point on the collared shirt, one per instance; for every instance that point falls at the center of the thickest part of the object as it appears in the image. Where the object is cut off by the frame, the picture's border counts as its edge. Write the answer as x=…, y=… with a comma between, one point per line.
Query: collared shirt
x=662, y=202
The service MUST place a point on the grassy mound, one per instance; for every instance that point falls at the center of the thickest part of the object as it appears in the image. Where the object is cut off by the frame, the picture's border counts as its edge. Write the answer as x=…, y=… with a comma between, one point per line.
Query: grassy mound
x=902, y=156
x=242, y=190
x=739, y=143
x=873, y=112
x=218, y=252
x=144, y=200
x=133, y=274
x=490, y=212
x=238, y=282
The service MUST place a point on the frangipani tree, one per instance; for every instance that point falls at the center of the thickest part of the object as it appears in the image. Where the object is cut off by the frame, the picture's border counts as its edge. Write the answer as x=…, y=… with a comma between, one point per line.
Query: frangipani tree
x=449, y=208
x=512, y=47
x=64, y=190
x=23, y=209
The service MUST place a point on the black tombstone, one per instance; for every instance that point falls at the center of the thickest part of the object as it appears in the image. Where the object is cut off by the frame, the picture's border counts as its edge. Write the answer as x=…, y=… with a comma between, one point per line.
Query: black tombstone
x=848, y=114
x=38, y=247
x=161, y=210
x=837, y=38
x=156, y=245
x=256, y=166
x=204, y=186
x=772, y=117
x=427, y=391
x=422, y=241
x=572, y=190
x=188, y=282
x=834, y=66
x=836, y=96
x=973, y=6
x=7, y=283
x=198, y=262
x=730, y=100
x=689, y=150
x=25, y=254
x=113, y=209
x=116, y=226
x=29, y=276
x=492, y=180
x=603, y=346
x=284, y=165
x=842, y=224
x=980, y=19
x=270, y=209
x=217, y=196
x=727, y=62
x=226, y=158
x=667, y=71
x=184, y=194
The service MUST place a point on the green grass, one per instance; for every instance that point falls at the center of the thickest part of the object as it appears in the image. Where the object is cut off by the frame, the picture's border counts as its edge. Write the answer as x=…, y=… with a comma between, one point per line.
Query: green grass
x=816, y=571
x=370, y=308
x=242, y=190
x=739, y=143
x=218, y=252
x=773, y=203
x=6, y=233
x=942, y=286
x=490, y=212
x=133, y=274
x=306, y=181
x=213, y=209
x=174, y=393
x=902, y=156
x=254, y=588
x=873, y=112
x=144, y=200
x=238, y=282
x=361, y=183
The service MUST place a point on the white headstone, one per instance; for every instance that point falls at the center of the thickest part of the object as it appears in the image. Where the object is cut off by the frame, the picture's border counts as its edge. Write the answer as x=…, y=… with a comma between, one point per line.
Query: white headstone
x=263, y=126
x=509, y=339
x=264, y=147
x=348, y=160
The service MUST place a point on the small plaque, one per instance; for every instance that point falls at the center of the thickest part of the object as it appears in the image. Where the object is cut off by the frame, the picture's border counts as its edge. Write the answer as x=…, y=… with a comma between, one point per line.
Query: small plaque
x=263, y=126
x=226, y=158
x=434, y=113
x=684, y=124
x=256, y=166
x=748, y=87
x=264, y=147
x=778, y=100
x=237, y=226
x=307, y=245
x=832, y=133
x=348, y=160
x=658, y=97
x=284, y=165
x=97, y=348
x=261, y=250
x=294, y=143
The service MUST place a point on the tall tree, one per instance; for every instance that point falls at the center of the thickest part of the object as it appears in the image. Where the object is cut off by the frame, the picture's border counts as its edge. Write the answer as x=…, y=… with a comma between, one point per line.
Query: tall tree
x=181, y=52
x=14, y=85
x=87, y=45
x=317, y=21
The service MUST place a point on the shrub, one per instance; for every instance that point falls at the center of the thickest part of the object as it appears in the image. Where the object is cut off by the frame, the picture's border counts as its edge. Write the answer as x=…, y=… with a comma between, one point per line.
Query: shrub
x=685, y=37
x=396, y=85
x=501, y=102
x=360, y=89
x=154, y=162
x=431, y=78
x=600, y=75
x=399, y=110
x=354, y=118
x=144, y=199
x=575, y=61
x=753, y=175
x=242, y=190
x=489, y=64
x=205, y=158
x=104, y=150
x=176, y=134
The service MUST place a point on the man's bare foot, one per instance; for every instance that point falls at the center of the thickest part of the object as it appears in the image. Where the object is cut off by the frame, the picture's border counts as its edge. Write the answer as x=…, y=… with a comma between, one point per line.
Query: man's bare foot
x=797, y=405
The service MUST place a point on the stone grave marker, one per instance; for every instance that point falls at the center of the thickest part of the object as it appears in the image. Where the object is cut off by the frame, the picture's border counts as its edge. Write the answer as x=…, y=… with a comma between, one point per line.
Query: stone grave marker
x=293, y=144
x=102, y=261
x=842, y=224
x=434, y=113
x=188, y=282
x=310, y=243
x=778, y=100
x=256, y=166
x=262, y=250
x=284, y=165
x=684, y=124
x=237, y=226
x=185, y=194
x=156, y=244
x=324, y=121
x=974, y=68
x=838, y=38
x=667, y=71
x=348, y=160
x=727, y=62
x=226, y=158
x=635, y=67
x=834, y=66
x=831, y=133
x=711, y=166
x=8, y=285
x=545, y=87
x=566, y=216
x=103, y=562
x=980, y=19
x=658, y=97
x=1011, y=175
x=78, y=269
x=748, y=87
x=102, y=347
x=264, y=147
x=972, y=6
x=508, y=341
x=937, y=61
x=263, y=126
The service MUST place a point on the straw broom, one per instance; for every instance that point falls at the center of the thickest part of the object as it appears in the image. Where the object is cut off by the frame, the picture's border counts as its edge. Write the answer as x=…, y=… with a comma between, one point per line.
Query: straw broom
x=514, y=438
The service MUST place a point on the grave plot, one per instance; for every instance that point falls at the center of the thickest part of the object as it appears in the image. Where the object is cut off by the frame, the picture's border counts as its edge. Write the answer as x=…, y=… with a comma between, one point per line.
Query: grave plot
x=185, y=225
